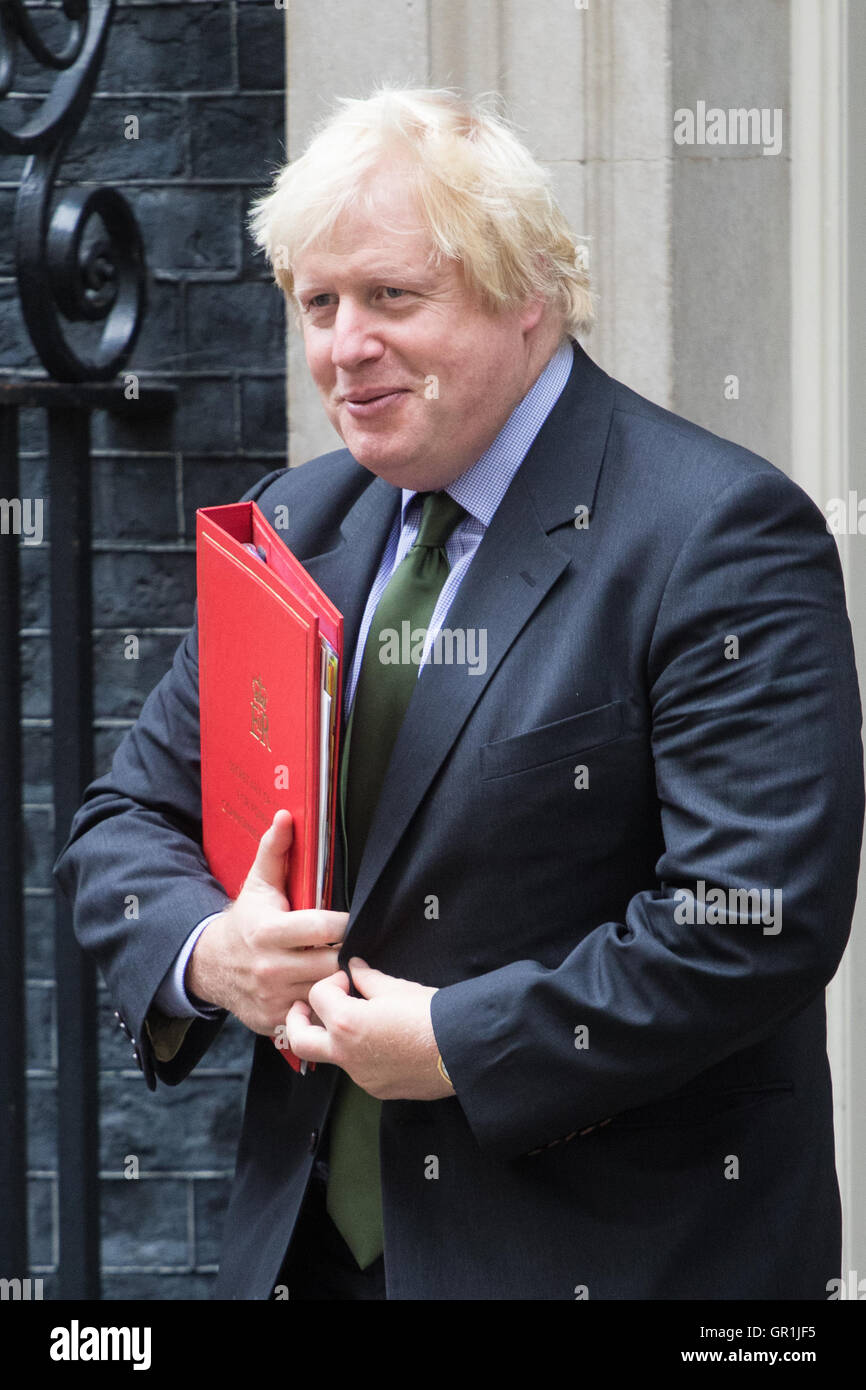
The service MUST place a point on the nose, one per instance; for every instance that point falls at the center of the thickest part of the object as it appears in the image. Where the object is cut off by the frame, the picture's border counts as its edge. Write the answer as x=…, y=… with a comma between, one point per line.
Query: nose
x=354, y=339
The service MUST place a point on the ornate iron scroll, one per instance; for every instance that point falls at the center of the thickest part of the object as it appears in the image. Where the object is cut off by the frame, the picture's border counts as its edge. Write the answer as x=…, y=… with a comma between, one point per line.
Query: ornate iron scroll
x=64, y=271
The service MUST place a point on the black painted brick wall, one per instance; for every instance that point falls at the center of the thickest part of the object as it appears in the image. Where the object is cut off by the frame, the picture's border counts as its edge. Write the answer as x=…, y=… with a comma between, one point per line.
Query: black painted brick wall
x=206, y=81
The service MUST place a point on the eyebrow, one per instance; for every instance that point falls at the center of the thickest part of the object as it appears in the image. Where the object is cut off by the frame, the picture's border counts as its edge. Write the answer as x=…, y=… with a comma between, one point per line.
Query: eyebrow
x=380, y=275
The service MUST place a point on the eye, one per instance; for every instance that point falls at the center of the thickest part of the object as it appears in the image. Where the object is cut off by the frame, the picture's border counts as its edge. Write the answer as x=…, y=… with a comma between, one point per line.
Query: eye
x=317, y=301
x=391, y=292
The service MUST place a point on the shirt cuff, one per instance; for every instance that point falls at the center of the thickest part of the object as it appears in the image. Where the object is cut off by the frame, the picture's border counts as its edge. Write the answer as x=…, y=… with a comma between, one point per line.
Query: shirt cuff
x=172, y=998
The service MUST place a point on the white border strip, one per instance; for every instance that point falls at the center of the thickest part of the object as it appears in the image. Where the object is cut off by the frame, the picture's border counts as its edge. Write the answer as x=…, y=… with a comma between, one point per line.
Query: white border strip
x=819, y=382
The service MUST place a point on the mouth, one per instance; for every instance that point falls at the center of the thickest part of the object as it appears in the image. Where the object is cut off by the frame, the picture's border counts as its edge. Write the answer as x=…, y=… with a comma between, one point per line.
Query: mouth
x=372, y=402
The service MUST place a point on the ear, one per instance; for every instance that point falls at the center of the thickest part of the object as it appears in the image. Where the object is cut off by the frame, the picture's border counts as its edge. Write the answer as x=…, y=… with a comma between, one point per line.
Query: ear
x=536, y=306
x=532, y=313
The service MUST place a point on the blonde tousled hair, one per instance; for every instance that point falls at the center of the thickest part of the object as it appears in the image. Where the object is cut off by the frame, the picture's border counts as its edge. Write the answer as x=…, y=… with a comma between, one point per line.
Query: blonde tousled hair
x=486, y=201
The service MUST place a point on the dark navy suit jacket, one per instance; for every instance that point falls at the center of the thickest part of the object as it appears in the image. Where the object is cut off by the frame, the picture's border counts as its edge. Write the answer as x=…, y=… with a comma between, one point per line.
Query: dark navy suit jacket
x=643, y=1102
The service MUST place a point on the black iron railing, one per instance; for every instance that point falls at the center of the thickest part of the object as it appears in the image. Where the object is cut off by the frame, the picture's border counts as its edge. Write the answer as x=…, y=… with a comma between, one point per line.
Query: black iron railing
x=79, y=261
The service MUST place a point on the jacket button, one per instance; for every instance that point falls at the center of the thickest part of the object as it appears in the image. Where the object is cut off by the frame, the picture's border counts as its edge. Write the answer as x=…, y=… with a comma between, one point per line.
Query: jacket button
x=314, y=1141
x=137, y=1055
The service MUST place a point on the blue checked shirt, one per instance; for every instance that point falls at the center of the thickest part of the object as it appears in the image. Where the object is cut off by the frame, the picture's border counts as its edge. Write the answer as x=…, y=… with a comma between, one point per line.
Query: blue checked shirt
x=479, y=491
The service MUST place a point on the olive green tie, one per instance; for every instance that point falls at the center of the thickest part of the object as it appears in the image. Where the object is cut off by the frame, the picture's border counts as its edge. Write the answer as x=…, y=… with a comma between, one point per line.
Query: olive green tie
x=383, y=692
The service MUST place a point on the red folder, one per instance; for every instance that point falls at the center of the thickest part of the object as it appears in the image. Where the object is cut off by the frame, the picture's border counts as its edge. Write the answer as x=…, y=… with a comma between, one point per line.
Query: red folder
x=270, y=654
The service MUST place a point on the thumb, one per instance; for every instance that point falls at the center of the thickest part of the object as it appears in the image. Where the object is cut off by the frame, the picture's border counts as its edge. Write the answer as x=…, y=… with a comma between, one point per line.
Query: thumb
x=269, y=866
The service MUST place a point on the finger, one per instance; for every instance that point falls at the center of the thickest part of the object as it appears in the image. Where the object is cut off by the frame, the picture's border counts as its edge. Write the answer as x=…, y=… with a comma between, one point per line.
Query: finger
x=315, y=927
x=306, y=1039
x=334, y=987
x=370, y=982
x=328, y=997
x=309, y=967
x=306, y=931
x=269, y=865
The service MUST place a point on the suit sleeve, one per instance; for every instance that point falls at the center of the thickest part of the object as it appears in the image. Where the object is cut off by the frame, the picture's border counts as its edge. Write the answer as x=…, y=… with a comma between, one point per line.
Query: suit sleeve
x=756, y=717
x=137, y=836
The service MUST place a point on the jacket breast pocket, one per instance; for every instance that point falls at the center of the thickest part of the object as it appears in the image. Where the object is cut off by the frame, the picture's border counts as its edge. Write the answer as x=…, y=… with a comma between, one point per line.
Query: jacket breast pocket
x=550, y=742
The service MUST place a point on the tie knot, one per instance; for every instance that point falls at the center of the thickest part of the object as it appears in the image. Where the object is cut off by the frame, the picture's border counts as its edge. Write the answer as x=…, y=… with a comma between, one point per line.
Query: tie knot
x=438, y=519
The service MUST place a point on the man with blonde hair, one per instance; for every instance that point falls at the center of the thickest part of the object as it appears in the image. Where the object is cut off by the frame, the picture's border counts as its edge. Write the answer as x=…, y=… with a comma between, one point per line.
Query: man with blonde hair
x=564, y=1047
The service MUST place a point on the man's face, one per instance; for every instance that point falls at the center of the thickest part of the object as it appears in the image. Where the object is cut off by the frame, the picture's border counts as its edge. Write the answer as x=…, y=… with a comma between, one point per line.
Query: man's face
x=416, y=376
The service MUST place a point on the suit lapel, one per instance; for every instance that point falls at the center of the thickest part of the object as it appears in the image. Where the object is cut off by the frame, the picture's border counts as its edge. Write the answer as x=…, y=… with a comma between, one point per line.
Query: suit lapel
x=347, y=572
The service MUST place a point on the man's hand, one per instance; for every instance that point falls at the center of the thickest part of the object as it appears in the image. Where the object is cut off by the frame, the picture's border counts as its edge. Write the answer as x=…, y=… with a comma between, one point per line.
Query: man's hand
x=258, y=957
x=385, y=1040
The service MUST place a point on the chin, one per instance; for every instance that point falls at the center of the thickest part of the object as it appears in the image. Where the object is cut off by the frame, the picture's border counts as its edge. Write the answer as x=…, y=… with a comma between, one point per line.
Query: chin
x=388, y=462
x=394, y=471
